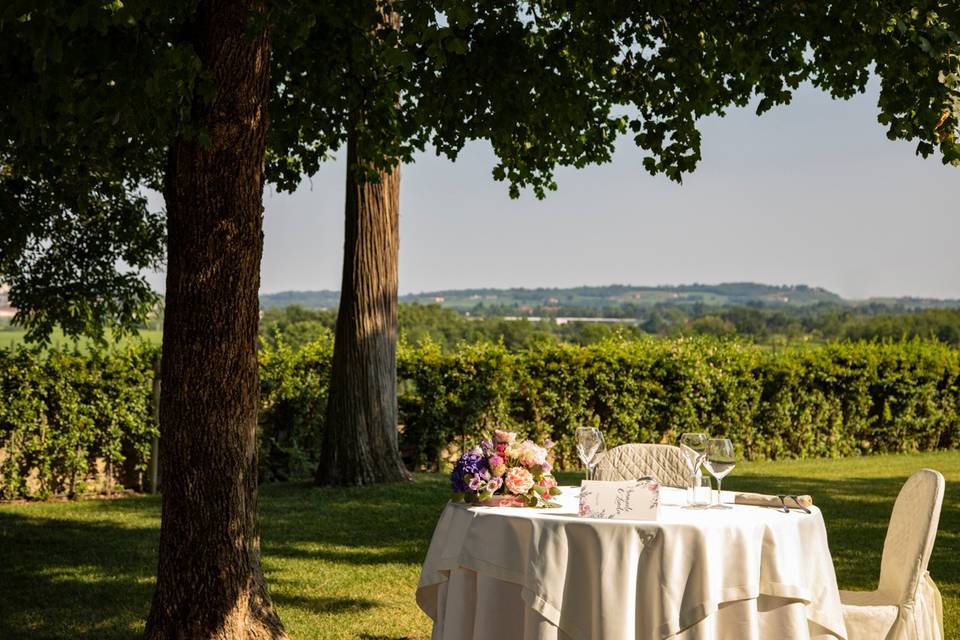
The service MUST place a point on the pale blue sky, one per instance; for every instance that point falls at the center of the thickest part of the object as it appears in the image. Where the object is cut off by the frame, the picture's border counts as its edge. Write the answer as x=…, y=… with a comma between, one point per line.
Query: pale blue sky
x=810, y=193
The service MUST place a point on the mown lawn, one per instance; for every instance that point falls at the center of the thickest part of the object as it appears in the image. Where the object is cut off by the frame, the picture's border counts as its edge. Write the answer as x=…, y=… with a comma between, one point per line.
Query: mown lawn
x=344, y=564
x=12, y=338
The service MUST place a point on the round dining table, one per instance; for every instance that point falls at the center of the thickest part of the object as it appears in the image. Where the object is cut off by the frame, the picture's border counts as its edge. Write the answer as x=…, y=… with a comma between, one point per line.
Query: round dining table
x=738, y=573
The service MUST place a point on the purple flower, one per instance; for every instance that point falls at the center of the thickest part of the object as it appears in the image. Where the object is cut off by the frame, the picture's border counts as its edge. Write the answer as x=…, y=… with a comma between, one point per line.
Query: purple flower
x=470, y=464
x=487, y=447
x=475, y=483
x=493, y=484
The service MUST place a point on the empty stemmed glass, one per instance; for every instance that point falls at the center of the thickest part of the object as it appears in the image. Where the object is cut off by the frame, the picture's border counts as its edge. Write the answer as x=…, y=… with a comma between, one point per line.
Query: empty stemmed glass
x=590, y=446
x=720, y=460
x=695, y=446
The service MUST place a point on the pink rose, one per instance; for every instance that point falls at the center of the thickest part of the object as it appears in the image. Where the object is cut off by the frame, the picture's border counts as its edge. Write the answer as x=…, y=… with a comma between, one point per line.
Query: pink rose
x=531, y=455
x=496, y=461
x=519, y=480
x=505, y=437
x=548, y=482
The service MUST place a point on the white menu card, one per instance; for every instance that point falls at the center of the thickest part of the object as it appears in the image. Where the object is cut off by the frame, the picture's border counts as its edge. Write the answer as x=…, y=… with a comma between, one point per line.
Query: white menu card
x=620, y=500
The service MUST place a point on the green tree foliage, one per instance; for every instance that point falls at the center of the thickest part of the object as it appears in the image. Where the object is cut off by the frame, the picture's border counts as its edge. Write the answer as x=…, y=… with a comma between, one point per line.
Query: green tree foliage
x=297, y=325
x=94, y=91
x=555, y=83
x=939, y=324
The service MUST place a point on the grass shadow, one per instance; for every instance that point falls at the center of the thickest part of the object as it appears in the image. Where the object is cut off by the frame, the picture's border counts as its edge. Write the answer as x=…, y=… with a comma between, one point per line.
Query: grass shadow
x=320, y=604
x=388, y=524
x=67, y=578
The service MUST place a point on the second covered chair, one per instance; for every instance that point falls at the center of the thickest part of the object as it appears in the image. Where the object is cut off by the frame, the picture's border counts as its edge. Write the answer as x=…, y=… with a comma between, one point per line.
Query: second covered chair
x=907, y=603
x=631, y=461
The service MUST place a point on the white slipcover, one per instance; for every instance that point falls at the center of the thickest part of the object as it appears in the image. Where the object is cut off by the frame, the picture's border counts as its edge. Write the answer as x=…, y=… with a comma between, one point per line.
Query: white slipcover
x=906, y=604
x=631, y=461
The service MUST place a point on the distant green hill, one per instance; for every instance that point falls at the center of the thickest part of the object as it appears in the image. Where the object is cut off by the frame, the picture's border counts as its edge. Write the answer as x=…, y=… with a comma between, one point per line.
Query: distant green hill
x=623, y=295
x=307, y=299
x=613, y=298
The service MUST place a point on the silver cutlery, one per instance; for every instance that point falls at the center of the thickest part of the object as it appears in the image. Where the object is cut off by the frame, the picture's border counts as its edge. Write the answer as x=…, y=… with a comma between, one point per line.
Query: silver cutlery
x=796, y=500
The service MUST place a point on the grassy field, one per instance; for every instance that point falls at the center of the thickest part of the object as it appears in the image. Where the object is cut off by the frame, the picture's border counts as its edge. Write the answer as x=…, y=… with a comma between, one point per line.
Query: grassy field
x=11, y=338
x=345, y=563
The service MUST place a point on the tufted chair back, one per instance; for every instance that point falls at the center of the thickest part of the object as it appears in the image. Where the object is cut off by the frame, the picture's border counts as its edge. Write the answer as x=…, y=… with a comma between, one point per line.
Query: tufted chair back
x=631, y=461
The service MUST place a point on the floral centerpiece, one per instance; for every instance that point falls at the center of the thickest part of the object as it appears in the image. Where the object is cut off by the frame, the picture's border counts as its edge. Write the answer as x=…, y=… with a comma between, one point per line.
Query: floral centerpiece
x=502, y=471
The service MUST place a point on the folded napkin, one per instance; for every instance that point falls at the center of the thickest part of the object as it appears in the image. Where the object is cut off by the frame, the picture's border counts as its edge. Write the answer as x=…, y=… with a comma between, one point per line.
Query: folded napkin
x=765, y=500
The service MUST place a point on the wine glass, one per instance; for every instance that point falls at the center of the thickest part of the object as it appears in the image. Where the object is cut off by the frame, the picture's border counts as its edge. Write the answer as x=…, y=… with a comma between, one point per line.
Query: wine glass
x=695, y=446
x=589, y=447
x=720, y=460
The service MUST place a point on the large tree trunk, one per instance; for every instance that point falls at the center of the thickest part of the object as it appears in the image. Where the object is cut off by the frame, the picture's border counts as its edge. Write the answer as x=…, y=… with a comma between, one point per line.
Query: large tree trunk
x=209, y=582
x=360, y=441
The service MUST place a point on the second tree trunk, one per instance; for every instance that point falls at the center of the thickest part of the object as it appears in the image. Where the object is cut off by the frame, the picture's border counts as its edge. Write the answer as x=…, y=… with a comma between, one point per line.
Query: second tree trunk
x=360, y=441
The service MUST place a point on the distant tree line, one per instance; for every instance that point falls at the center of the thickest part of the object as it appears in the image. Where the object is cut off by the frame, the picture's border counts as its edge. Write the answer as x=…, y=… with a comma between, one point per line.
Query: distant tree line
x=448, y=328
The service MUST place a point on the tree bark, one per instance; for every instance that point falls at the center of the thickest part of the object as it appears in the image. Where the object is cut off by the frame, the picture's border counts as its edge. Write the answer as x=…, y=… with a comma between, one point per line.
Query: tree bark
x=209, y=581
x=360, y=439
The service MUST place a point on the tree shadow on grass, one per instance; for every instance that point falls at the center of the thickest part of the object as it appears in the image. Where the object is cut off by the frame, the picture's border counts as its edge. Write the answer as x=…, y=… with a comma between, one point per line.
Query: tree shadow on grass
x=319, y=604
x=383, y=524
x=69, y=578
x=87, y=570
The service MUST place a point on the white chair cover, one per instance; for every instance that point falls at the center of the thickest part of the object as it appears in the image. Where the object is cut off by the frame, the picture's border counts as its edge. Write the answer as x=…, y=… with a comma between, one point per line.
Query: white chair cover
x=907, y=604
x=631, y=461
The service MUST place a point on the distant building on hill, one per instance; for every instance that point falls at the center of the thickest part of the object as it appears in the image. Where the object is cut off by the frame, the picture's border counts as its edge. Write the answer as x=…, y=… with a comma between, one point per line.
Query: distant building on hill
x=6, y=311
x=561, y=320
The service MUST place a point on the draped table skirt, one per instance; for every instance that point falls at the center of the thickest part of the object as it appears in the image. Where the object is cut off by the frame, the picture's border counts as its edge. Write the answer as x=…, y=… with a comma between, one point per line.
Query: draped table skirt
x=746, y=573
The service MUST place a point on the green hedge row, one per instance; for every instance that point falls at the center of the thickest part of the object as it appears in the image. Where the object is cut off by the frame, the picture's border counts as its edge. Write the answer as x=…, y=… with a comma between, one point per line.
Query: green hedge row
x=60, y=411
x=839, y=399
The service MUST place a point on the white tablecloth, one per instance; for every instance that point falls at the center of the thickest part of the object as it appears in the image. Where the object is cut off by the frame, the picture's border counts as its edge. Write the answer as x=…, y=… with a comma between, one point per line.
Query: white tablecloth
x=743, y=573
